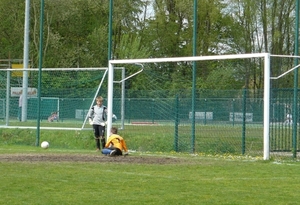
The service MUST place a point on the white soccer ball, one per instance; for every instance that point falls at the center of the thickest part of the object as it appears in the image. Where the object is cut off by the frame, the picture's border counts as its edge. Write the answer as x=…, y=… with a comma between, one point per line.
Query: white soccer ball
x=45, y=144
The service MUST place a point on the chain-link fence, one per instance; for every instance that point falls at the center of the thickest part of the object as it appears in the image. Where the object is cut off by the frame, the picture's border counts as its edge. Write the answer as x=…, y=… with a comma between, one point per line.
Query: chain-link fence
x=222, y=125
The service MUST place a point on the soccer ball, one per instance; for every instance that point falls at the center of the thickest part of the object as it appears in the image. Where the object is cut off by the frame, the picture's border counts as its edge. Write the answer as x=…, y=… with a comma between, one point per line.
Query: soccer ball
x=45, y=144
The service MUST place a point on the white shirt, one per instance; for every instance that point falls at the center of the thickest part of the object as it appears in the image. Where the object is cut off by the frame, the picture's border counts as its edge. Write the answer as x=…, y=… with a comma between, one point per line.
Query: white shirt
x=97, y=114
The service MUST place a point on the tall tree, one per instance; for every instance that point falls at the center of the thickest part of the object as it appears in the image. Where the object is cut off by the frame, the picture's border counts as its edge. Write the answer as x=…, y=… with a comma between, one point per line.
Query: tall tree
x=76, y=35
x=11, y=29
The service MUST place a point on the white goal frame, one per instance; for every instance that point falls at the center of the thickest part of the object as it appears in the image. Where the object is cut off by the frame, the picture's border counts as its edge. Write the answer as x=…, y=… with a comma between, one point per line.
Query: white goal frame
x=265, y=56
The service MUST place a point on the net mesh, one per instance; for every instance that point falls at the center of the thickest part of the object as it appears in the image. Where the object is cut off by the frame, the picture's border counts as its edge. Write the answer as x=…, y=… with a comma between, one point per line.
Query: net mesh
x=160, y=109
x=67, y=93
x=226, y=121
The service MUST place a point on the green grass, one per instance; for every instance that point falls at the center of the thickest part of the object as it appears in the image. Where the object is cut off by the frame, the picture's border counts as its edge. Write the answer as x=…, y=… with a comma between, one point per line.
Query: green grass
x=154, y=138
x=209, y=139
x=198, y=180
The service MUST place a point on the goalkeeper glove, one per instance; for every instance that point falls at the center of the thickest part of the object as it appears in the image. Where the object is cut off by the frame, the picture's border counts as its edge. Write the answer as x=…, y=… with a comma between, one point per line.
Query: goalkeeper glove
x=90, y=121
x=103, y=123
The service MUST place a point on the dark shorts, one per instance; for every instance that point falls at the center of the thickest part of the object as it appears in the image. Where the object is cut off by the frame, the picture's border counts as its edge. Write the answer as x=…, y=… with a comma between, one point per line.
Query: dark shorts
x=99, y=130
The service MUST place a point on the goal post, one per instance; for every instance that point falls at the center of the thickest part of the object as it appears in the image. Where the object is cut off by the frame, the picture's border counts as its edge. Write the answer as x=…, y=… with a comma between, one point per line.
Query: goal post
x=266, y=97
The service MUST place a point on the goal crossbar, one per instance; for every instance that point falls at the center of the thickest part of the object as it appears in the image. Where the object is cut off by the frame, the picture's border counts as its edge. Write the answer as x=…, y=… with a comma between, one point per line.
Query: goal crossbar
x=193, y=58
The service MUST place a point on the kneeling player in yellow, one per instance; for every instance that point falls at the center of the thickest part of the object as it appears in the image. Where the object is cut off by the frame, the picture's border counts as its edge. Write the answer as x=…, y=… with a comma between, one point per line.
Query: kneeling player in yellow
x=115, y=144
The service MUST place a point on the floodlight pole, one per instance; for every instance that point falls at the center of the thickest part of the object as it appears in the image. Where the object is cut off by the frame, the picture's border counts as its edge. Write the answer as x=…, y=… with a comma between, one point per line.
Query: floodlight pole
x=295, y=101
x=25, y=62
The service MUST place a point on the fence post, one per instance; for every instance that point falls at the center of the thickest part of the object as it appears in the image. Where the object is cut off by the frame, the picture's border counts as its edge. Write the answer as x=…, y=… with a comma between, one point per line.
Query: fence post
x=176, y=124
x=233, y=100
x=153, y=110
x=205, y=108
x=244, y=120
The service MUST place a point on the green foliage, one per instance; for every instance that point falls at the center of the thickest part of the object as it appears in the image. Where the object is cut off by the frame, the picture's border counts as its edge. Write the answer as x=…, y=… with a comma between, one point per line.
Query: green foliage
x=11, y=29
x=131, y=47
x=76, y=35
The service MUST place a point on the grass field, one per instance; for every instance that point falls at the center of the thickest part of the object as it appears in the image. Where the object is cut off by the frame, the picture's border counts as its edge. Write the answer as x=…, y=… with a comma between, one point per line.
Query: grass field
x=214, y=138
x=172, y=178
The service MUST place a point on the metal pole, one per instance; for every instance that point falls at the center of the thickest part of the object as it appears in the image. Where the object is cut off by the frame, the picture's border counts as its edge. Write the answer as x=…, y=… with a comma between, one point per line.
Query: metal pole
x=244, y=120
x=295, y=101
x=7, y=97
x=110, y=29
x=176, y=124
x=110, y=73
x=40, y=73
x=194, y=77
x=25, y=61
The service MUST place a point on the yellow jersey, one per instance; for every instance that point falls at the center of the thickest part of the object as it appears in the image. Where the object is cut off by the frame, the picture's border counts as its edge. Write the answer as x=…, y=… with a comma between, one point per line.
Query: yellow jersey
x=116, y=141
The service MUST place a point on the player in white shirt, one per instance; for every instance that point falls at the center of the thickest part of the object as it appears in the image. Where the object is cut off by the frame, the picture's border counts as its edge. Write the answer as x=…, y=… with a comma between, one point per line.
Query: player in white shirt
x=97, y=117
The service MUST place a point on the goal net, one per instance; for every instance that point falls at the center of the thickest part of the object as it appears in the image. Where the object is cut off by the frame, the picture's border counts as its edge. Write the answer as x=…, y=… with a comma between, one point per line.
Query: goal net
x=162, y=104
x=66, y=95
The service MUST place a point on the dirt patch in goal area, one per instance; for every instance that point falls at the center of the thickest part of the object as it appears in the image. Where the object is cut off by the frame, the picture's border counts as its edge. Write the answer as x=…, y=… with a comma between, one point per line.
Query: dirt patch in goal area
x=89, y=158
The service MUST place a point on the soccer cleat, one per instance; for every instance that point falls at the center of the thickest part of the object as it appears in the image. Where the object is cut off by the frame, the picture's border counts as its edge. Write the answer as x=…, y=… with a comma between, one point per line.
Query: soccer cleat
x=113, y=153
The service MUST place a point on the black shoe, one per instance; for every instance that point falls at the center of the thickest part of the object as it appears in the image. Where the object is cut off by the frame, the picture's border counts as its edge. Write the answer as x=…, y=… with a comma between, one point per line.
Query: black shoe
x=113, y=152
